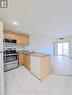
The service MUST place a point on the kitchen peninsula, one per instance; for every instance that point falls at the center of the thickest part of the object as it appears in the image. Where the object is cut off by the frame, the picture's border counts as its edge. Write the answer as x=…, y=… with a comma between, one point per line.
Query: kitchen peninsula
x=37, y=63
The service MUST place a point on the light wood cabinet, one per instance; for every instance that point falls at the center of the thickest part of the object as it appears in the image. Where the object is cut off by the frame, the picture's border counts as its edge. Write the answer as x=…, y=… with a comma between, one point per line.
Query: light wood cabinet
x=10, y=35
x=40, y=66
x=27, y=61
x=45, y=67
x=24, y=59
x=21, y=58
x=22, y=39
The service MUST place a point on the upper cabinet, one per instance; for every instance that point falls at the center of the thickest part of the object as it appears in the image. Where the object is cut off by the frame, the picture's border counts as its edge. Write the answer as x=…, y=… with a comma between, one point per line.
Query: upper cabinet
x=22, y=39
x=9, y=35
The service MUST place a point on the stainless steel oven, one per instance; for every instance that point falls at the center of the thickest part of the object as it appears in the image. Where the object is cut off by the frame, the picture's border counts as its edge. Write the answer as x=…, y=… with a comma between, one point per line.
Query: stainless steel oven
x=10, y=58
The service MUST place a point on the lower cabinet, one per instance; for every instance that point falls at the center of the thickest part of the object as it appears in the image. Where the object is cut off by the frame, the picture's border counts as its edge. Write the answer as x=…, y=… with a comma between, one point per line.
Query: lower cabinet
x=27, y=61
x=40, y=66
x=21, y=58
x=24, y=59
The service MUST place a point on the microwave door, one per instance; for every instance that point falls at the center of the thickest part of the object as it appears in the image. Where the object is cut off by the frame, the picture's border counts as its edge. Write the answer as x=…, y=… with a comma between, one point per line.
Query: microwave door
x=10, y=41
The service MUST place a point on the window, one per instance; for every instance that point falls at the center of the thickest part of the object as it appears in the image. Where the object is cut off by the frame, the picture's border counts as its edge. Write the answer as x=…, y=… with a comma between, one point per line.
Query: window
x=63, y=48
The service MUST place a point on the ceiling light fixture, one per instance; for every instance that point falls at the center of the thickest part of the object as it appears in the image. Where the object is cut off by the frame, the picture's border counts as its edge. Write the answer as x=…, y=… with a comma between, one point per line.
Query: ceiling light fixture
x=15, y=23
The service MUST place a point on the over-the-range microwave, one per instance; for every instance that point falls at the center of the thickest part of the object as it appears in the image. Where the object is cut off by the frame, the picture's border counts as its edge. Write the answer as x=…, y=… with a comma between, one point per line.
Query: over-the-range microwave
x=10, y=41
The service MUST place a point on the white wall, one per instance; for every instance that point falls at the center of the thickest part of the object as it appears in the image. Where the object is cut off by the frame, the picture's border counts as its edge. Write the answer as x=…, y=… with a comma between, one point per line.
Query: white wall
x=1, y=60
x=41, y=43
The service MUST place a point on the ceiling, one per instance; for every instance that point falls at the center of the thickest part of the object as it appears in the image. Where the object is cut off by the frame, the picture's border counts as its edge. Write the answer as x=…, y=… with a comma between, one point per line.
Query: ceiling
x=46, y=17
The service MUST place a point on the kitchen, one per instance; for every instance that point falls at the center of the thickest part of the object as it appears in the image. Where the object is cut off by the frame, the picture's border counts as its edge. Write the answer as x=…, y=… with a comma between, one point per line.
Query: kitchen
x=15, y=57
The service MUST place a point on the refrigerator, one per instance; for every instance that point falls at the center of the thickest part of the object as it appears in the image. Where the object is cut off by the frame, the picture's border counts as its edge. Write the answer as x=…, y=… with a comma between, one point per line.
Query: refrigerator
x=1, y=60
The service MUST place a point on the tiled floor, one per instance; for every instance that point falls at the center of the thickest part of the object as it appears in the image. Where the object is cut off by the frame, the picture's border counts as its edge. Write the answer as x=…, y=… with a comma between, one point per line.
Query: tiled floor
x=21, y=82
x=61, y=65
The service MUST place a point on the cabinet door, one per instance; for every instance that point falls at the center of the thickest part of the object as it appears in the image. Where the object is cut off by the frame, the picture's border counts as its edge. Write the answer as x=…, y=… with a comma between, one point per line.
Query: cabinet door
x=45, y=67
x=9, y=35
x=27, y=61
x=22, y=39
x=21, y=58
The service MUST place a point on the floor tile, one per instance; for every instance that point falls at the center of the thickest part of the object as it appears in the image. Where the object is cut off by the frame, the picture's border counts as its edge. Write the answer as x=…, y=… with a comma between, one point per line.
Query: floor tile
x=21, y=82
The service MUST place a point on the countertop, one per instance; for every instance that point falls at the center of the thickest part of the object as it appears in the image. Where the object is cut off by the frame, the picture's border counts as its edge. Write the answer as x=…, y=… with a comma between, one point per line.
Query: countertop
x=35, y=53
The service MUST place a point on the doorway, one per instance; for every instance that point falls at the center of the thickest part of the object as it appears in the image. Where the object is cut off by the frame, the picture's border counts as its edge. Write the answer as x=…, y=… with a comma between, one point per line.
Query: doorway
x=61, y=61
x=63, y=48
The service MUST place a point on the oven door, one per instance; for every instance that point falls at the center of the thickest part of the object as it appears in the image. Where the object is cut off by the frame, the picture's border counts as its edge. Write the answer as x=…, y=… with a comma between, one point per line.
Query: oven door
x=10, y=62
x=10, y=58
x=10, y=66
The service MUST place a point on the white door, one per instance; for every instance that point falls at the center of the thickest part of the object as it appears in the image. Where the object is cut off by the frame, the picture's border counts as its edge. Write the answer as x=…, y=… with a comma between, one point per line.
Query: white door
x=1, y=60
